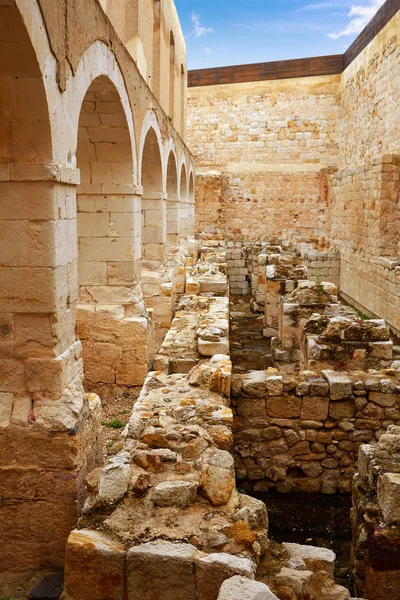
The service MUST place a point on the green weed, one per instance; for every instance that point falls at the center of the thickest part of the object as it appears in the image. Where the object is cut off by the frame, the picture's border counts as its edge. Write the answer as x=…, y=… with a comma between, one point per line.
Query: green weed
x=113, y=424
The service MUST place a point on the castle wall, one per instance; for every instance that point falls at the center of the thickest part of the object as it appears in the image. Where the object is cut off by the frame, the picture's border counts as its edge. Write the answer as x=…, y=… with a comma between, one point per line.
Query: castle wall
x=312, y=158
x=364, y=192
x=262, y=151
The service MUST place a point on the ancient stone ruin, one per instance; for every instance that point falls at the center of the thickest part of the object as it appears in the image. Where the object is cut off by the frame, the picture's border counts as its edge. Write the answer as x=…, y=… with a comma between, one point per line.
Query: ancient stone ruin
x=199, y=313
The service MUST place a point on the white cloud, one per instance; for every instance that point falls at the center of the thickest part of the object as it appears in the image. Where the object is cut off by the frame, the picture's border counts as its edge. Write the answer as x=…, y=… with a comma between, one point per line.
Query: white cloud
x=362, y=15
x=321, y=6
x=207, y=50
x=198, y=28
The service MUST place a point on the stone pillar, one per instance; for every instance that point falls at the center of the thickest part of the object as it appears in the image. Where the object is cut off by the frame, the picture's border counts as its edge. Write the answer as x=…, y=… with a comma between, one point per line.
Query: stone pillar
x=112, y=321
x=191, y=214
x=173, y=216
x=183, y=220
x=49, y=427
x=154, y=229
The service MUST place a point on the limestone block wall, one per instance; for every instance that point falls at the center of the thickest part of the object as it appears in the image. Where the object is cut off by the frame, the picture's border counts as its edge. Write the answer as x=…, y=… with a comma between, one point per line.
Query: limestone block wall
x=363, y=194
x=302, y=433
x=262, y=149
x=322, y=266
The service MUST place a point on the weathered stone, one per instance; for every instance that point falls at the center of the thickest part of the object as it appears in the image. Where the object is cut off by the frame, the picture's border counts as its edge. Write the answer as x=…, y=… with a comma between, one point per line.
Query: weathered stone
x=214, y=569
x=100, y=555
x=314, y=408
x=174, y=493
x=216, y=484
x=314, y=557
x=340, y=385
x=114, y=479
x=389, y=497
x=284, y=407
x=254, y=384
x=296, y=580
x=240, y=588
x=161, y=570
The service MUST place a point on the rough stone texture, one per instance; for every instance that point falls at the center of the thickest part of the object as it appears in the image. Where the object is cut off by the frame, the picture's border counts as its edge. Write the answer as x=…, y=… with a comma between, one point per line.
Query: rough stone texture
x=161, y=569
x=375, y=518
x=304, y=441
x=99, y=554
x=240, y=588
x=313, y=557
x=214, y=569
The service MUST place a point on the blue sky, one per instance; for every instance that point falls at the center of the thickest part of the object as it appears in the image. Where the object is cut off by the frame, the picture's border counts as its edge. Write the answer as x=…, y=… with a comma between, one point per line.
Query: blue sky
x=231, y=32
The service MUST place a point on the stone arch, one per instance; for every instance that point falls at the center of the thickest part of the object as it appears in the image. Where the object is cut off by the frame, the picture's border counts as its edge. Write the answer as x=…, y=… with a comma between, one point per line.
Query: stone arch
x=153, y=200
x=172, y=187
x=97, y=60
x=108, y=216
x=25, y=116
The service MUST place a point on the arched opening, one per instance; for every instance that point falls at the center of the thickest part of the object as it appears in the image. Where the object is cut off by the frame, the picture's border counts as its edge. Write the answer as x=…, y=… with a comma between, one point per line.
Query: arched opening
x=172, y=76
x=172, y=202
x=191, y=209
x=108, y=268
x=183, y=206
x=24, y=118
x=153, y=204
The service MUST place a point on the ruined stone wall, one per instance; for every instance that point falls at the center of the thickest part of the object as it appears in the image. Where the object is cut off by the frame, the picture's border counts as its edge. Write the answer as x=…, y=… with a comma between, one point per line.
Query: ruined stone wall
x=262, y=150
x=376, y=518
x=303, y=433
x=364, y=193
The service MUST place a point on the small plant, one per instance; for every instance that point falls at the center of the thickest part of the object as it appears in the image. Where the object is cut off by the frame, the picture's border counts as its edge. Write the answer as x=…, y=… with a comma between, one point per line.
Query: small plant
x=123, y=412
x=126, y=395
x=109, y=445
x=238, y=489
x=6, y=598
x=113, y=424
x=361, y=315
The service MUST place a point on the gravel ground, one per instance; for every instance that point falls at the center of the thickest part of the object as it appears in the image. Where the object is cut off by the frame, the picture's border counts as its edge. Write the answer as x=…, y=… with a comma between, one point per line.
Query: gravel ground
x=116, y=414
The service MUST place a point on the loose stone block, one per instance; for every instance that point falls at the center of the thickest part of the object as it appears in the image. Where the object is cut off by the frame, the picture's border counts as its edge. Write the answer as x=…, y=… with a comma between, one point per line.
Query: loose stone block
x=315, y=558
x=216, y=484
x=340, y=385
x=389, y=497
x=161, y=570
x=214, y=569
x=174, y=493
x=241, y=588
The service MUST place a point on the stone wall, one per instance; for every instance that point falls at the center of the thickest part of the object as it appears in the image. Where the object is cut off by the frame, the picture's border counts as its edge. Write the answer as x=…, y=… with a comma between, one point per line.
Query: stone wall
x=262, y=150
x=77, y=122
x=302, y=432
x=376, y=518
x=316, y=159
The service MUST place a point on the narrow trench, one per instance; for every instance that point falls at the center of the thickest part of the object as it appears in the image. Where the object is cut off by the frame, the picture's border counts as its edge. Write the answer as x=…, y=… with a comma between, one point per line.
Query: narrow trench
x=314, y=519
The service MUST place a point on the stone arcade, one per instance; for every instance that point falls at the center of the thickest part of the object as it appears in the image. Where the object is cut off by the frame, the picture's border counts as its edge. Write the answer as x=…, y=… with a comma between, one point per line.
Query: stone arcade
x=118, y=275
